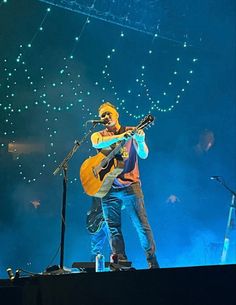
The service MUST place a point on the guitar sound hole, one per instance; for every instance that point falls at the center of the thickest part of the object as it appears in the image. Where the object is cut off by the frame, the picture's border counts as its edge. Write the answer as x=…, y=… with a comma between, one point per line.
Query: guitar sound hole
x=105, y=165
x=106, y=170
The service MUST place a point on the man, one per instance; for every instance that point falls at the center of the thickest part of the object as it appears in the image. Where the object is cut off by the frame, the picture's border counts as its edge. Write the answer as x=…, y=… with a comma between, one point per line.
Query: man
x=126, y=190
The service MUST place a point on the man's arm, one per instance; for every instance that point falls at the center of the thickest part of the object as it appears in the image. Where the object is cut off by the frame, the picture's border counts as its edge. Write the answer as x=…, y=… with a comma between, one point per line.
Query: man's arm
x=140, y=145
x=98, y=141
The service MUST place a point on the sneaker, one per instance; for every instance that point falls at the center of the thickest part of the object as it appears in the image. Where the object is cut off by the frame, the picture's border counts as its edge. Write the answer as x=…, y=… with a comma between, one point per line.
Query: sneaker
x=153, y=263
x=153, y=266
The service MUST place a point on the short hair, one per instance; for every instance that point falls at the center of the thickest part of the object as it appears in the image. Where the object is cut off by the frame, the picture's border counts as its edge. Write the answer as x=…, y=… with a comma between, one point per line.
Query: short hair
x=107, y=104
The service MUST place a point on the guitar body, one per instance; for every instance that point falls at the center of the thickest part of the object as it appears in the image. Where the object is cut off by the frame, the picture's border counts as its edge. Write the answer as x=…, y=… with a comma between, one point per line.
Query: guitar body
x=97, y=181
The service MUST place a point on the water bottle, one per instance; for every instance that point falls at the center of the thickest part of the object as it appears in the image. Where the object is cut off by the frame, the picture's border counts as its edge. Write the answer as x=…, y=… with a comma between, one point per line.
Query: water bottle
x=100, y=263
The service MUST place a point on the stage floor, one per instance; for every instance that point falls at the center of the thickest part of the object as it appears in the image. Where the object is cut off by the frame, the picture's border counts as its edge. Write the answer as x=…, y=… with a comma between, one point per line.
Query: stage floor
x=208, y=285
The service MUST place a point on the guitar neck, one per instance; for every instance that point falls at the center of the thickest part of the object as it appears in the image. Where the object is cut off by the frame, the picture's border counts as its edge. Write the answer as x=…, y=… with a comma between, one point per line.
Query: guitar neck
x=113, y=153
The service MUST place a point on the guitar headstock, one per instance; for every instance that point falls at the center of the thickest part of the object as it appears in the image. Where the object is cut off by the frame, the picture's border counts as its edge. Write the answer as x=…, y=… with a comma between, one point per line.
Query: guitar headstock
x=146, y=121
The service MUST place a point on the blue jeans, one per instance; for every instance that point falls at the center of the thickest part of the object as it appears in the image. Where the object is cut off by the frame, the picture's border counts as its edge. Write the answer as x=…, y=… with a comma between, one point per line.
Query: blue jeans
x=131, y=198
x=97, y=241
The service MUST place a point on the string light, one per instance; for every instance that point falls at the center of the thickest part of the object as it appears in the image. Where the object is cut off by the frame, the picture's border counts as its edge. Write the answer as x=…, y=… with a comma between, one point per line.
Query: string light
x=144, y=90
x=3, y=2
x=65, y=91
x=42, y=102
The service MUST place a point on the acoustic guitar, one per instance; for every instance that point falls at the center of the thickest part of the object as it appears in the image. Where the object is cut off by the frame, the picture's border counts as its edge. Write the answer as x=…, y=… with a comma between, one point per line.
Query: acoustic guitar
x=97, y=173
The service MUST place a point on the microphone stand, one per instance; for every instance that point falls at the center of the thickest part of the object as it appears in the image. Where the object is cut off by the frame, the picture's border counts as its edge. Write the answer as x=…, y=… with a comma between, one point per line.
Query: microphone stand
x=232, y=213
x=63, y=166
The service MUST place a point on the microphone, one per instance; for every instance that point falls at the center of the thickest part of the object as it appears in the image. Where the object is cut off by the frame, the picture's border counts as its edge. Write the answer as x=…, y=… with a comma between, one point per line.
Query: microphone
x=215, y=177
x=98, y=121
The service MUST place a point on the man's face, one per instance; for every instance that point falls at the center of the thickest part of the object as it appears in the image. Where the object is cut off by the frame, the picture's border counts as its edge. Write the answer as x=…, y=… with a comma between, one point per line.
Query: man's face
x=109, y=114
